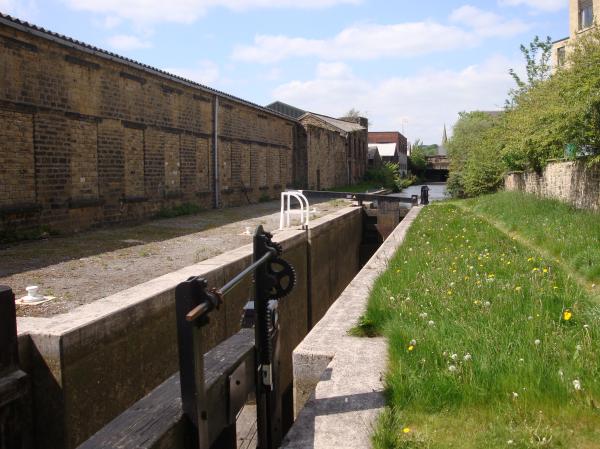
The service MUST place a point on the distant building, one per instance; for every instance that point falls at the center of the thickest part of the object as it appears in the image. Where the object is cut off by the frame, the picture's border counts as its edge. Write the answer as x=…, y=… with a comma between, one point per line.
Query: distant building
x=582, y=18
x=373, y=158
x=392, y=147
x=443, y=148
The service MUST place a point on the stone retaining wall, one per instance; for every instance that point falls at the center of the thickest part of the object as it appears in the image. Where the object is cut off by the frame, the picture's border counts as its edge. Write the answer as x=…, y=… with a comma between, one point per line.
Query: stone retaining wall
x=571, y=181
x=89, y=365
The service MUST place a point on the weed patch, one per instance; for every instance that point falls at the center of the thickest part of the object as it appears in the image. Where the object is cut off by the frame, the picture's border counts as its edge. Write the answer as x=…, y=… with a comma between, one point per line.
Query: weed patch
x=179, y=211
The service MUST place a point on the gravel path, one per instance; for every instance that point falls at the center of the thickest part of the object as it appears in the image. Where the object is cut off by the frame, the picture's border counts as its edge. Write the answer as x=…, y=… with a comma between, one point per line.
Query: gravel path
x=84, y=267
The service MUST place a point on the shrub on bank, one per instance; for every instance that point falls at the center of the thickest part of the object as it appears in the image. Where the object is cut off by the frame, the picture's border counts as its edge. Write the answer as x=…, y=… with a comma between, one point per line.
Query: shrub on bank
x=547, y=117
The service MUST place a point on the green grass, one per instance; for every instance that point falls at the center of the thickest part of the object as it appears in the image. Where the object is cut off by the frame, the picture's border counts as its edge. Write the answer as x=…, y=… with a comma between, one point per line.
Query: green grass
x=179, y=211
x=567, y=233
x=480, y=352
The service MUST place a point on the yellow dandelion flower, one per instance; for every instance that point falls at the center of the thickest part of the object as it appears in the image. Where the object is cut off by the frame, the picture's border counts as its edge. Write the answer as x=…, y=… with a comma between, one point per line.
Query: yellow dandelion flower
x=530, y=259
x=545, y=270
x=518, y=288
x=535, y=269
x=411, y=347
x=406, y=430
x=567, y=314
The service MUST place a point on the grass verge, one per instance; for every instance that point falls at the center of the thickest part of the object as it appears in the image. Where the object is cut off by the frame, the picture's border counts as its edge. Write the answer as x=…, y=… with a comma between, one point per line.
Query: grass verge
x=490, y=344
x=567, y=233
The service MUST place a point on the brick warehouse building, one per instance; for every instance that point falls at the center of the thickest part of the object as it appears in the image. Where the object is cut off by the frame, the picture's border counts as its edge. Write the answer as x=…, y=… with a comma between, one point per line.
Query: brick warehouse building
x=399, y=154
x=88, y=137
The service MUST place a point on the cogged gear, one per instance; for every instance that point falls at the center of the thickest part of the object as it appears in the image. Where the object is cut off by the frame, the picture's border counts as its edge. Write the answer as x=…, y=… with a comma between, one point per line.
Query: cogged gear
x=283, y=276
x=278, y=247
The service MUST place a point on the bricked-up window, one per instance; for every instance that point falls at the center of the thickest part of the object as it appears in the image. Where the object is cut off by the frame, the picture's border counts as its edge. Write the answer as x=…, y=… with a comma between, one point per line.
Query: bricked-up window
x=133, y=141
x=17, y=184
x=203, y=164
x=172, y=163
x=84, y=160
x=586, y=14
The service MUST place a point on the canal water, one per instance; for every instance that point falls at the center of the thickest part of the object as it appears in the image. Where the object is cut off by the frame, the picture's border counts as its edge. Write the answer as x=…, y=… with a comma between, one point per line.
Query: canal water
x=437, y=191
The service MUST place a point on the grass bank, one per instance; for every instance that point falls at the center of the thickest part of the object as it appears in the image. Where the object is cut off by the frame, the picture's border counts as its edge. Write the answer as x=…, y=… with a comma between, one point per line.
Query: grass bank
x=490, y=343
x=567, y=233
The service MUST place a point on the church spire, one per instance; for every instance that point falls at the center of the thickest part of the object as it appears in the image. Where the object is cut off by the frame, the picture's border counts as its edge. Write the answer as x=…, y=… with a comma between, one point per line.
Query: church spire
x=444, y=137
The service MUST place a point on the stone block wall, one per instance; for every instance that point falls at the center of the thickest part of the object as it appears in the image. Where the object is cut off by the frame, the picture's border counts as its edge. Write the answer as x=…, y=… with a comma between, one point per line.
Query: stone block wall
x=90, y=364
x=326, y=154
x=88, y=138
x=333, y=158
x=572, y=182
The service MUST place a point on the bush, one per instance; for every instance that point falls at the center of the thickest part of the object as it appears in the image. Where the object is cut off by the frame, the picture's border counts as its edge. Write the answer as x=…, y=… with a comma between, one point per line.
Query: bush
x=404, y=182
x=547, y=117
x=385, y=175
x=560, y=112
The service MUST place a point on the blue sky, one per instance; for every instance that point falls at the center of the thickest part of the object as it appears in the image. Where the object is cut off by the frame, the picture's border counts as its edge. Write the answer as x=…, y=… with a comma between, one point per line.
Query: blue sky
x=407, y=65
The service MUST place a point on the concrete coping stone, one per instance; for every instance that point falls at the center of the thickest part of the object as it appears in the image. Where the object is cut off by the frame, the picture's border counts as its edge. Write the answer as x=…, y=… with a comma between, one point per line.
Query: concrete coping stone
x=339, y=378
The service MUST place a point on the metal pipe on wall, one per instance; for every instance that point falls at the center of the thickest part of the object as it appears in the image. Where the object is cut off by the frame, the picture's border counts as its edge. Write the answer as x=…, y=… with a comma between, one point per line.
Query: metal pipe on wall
x=215, y=148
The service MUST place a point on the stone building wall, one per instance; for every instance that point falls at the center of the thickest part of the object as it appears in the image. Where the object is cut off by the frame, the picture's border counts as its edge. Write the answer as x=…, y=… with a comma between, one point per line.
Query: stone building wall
x=87, y=138
x=333, y=158
x=572, y=182
x=326, y=154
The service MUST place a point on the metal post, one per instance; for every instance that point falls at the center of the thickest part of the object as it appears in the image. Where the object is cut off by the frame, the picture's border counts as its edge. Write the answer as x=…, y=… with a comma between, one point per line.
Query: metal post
x=268, y=410
x=216, y=183
x=15, y=403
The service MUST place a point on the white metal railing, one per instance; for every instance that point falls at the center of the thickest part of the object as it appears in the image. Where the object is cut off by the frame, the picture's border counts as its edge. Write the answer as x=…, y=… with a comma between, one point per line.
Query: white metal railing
x=287, y=211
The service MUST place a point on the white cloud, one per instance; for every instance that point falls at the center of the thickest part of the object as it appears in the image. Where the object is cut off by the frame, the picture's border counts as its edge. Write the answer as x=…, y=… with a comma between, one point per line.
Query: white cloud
x=362, y=42
x=186, y=11
x=469, y=26
x=127, y=42
x=486, y=23
x=204, y=72
x=335, y=70
x=424, y=101
x=541, y=5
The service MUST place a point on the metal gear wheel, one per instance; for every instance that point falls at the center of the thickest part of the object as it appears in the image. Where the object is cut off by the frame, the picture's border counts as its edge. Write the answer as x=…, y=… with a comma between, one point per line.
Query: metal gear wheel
x=284, y=278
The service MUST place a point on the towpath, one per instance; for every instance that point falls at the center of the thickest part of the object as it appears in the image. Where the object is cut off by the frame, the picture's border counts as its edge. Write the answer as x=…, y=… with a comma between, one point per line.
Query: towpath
x=81, y=268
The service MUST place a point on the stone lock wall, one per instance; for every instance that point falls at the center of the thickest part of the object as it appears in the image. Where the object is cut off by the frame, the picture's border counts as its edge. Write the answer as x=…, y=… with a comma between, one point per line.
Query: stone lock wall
x=572, y=182
x=87, y=137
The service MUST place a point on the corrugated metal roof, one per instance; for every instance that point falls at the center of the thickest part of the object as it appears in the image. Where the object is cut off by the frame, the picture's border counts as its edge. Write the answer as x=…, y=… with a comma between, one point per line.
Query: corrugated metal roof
x=73, y=43
x=286, y=109
x=385, y=149
x=340, y=124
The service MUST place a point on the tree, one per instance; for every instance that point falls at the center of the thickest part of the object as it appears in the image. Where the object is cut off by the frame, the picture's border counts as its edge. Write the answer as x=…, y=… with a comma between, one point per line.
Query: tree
x=537, y=66
x=418, y=156
x=474, y=151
